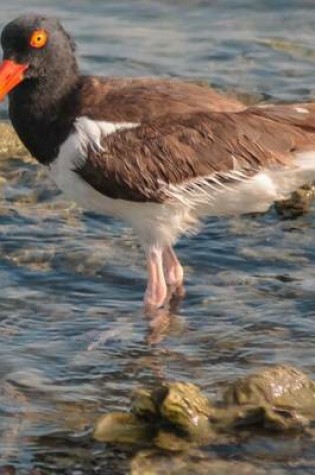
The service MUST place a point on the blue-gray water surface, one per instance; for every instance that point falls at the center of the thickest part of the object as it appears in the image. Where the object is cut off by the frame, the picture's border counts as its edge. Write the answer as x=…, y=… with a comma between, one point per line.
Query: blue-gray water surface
x=74, y=340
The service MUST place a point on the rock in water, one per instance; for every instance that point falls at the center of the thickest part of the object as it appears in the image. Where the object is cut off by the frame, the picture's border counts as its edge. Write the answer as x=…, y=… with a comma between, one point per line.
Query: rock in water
x=122, y=428
x=10, y=145
x=281, y=386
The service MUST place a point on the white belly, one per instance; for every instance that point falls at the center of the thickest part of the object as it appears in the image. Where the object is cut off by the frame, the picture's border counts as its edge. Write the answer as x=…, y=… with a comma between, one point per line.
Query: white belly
x=162, y=223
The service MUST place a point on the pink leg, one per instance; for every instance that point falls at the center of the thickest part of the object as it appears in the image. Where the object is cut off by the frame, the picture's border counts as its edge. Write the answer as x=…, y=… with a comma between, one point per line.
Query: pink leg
x=174, y=273
x=156, y=290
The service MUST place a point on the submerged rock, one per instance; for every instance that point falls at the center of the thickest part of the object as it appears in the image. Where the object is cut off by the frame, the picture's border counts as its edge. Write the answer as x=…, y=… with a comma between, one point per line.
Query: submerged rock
x=155, y=462
x=171, y=442
x=123, y=428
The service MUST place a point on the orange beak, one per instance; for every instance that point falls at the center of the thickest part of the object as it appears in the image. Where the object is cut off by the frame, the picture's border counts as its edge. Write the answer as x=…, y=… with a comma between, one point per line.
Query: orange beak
x=11, y=74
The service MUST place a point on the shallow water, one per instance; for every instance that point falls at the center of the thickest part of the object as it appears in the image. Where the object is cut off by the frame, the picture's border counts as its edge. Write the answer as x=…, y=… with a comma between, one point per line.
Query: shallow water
x=73, y=338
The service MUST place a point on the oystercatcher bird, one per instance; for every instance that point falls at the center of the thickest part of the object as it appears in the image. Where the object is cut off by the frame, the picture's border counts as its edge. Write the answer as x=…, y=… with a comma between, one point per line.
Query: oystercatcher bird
x=157, y=154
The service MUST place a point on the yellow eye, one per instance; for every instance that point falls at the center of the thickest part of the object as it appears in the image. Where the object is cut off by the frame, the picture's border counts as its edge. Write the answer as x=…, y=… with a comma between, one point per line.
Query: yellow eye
x=38, y=39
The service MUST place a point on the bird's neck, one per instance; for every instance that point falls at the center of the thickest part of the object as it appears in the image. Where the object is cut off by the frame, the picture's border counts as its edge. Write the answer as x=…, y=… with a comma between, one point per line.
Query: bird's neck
x=42, y=112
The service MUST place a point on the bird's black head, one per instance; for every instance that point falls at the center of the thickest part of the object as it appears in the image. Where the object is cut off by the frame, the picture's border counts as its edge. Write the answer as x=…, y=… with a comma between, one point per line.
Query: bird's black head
x=35, y=48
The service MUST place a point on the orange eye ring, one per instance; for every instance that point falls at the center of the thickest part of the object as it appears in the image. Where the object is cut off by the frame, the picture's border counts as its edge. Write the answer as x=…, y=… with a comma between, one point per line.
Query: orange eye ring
x=38, y=39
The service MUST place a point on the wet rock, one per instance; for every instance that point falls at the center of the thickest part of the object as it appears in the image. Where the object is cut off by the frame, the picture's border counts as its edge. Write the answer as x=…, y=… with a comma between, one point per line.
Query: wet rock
x=122, y=428
x=179, y=405
x=298, y=203
x=154, y=462
x=229, y=418
x=185, y=407
x=281, y=386
x=176, y=416
x=165, y=416
x=284, y=420
x=284, y=396
x=169, y=441
x=33, y=259
x=145, y=402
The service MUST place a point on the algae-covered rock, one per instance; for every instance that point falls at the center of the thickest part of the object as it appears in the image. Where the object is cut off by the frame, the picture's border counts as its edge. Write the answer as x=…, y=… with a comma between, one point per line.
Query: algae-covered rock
x=159, y=415
x=10, y=145
x=284, y=420
x=280, y=386
x=176, y=416
x=145, y=402
x=185, y=407
x=229, y=418
x=122, y=428
x=180, y=405
x=174, y=443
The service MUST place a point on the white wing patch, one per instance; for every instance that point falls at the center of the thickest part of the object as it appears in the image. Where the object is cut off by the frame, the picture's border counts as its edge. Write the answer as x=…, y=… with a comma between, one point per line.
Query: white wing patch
x=87, y=134
x=90, y=132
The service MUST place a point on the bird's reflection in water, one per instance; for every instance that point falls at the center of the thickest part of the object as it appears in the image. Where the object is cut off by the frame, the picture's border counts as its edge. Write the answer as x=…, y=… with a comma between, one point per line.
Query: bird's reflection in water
x=165, y=321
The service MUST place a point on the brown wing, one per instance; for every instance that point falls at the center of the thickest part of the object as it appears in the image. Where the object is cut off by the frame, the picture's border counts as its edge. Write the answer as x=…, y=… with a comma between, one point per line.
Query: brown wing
x=300, y=115
x=136, y=100
x=135, y=163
